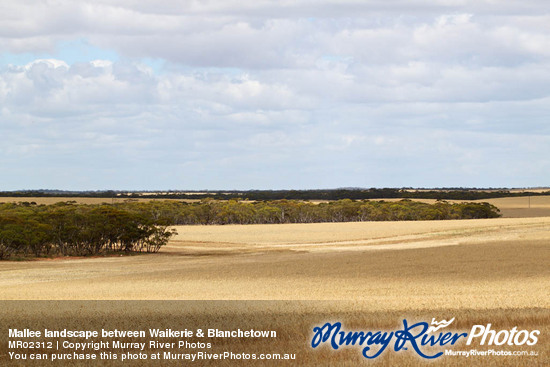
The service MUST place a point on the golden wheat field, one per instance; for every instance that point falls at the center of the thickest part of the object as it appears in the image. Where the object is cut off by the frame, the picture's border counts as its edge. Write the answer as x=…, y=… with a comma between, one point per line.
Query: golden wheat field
x=290, y=277
x=504, y=260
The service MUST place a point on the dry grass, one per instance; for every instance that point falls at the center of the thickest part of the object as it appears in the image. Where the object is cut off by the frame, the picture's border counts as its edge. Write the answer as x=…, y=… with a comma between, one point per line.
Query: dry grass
x=521, y=207
x=367, y=275
x=501, y=261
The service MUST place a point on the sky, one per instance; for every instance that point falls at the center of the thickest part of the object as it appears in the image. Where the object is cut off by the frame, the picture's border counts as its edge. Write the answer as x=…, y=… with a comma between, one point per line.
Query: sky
x=302, y=94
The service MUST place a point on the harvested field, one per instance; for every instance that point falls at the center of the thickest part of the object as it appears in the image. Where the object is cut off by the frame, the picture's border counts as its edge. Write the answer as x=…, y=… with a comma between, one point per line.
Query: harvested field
x=523, y=206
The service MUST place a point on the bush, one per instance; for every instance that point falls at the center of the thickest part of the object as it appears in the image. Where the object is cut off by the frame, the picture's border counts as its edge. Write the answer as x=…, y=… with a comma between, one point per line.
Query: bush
x=72, y=229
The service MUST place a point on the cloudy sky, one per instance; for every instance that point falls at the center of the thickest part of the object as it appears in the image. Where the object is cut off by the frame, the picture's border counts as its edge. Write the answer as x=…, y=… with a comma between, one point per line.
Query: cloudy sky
x=262, y=94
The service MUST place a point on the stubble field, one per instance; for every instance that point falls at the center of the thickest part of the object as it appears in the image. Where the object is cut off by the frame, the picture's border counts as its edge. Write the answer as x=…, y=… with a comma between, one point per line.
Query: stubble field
x=367, y=275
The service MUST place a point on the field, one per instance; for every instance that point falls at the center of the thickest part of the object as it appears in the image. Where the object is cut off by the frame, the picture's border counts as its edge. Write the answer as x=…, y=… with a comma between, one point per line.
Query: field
x=370, y=275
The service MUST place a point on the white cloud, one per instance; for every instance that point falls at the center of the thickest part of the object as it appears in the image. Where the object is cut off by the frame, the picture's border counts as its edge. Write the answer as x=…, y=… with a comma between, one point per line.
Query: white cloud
x=275, y=94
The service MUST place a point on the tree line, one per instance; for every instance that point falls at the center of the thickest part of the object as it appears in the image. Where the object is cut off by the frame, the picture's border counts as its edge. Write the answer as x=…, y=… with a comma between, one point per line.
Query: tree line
x=209, y=211
x=263, y=195
x=78, y=229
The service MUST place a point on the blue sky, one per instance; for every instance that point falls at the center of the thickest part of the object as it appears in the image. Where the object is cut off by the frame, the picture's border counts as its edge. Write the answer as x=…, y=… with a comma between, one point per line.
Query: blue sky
x=271, y=95
x=71, y=51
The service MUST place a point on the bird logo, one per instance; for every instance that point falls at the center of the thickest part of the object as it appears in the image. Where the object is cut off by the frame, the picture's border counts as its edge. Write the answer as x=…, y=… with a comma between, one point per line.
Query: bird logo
x=439, y=325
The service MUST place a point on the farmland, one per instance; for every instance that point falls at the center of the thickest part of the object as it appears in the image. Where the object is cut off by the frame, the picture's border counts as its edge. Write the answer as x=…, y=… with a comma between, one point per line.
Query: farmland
x=514, y=207
x=368, y=274
x=301, y=261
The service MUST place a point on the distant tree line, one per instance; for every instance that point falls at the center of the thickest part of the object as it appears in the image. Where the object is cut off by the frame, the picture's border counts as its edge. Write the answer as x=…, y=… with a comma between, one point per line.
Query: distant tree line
x=209, y=211
x=335, y=194
x=78, y=229
x=69, y=229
